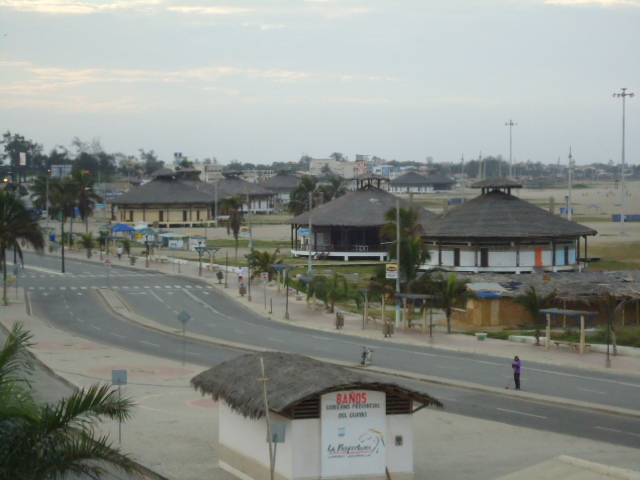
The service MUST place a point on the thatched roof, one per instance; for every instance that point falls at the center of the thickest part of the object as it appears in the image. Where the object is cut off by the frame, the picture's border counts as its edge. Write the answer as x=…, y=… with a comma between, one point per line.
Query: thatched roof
x=497, y=182
x=233, y=186
x=281, y=182
x=569, y=285
x=498, y=214
x=365, y=207
x=163, y=172
x=413, y=178
x=168, y=190
x=292, y=379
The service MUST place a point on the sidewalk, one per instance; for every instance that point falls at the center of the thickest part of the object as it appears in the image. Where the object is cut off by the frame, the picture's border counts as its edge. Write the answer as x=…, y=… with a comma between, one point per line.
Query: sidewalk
x=174, y=429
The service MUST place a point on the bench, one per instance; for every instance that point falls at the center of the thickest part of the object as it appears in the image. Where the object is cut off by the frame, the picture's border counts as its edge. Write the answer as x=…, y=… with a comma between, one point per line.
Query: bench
x=573, y=347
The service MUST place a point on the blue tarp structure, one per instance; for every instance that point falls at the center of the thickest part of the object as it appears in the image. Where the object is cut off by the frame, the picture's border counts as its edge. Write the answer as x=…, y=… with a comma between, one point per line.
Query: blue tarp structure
x=121, y=227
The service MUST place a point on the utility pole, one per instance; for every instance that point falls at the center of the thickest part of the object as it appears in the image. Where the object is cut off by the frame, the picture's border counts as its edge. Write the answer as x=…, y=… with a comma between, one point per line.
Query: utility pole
x=570, y=180
x=398, y=260
x=510, y=124
x=624, y=96
x=310, y=234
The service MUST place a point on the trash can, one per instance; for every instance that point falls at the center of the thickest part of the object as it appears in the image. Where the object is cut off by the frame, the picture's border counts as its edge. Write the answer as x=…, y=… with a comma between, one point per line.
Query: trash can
x=243, y=290
x=219, y=276
x=339, y=320
x=133, y=260
x=388, y=329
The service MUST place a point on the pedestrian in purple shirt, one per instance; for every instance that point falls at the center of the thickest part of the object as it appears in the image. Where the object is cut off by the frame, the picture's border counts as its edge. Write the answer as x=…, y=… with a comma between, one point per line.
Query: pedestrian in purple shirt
x=517, y=366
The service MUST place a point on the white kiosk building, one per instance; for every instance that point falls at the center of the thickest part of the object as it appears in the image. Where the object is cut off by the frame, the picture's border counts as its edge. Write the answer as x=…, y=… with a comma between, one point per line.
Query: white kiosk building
x=326, y=421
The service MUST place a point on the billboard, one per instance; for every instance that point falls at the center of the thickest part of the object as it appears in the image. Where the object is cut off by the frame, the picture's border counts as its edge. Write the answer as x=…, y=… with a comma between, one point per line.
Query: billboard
x=353, y=424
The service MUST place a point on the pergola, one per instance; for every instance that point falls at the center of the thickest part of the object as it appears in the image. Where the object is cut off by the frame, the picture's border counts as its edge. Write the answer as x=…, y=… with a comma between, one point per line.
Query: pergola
x=417, y=296
x=549, y=312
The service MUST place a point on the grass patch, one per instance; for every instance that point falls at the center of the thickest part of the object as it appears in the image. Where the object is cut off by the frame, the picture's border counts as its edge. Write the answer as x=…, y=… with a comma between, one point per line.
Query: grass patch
x=615, y=256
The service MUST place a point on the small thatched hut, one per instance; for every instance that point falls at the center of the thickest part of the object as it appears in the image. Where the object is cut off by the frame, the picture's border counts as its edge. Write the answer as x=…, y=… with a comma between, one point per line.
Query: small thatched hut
x=332, y=422
x=412, y=182
x=498, y=232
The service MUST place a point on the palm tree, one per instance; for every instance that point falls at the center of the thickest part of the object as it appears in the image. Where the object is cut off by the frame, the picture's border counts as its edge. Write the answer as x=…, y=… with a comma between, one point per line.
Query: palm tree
x=87, y=241
x=53, y=440
x=86, y=197
x=533, y=302
x=331, y=290
x=450, y=292
x=413, y=253
x=40, y=189
x=608, y=305
x=299, y=201
x=262, y=261
x=63, y=198
x=16, y=226
x=335, y=189
x=232, y=206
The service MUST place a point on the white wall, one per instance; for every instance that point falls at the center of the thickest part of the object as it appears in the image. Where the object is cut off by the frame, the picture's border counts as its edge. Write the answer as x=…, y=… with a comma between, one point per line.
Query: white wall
x=400, y=458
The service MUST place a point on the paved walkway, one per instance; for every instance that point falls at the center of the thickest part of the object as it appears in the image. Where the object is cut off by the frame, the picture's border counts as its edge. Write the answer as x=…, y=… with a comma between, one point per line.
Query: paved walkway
x=174, y=431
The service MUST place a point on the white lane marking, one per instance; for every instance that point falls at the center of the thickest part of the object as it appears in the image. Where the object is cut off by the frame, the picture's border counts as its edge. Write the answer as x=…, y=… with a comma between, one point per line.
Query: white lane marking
x=195, y=353
x=149, y=343
x=618, y=431
x=240, y=332
x=157, y=297
x=320, y=338
x=277, y=340
x=447, y=399
x=591, y=391
x=520, y=413
x=118, y=335
x=71, y=313
x=80, y=320
x=97, y=328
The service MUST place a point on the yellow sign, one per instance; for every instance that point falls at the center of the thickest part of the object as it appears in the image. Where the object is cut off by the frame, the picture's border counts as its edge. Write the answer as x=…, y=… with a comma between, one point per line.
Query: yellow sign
x=392, y=270
x=244, y=231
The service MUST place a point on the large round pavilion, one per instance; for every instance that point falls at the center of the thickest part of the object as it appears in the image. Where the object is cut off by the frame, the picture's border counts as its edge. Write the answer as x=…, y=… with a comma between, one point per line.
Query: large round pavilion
x=499, y=232
x=348, y=227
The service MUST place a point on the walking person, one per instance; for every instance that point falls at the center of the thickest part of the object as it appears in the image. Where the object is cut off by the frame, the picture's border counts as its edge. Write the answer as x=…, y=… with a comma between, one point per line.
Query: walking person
x=517, y=367
x=120, y=252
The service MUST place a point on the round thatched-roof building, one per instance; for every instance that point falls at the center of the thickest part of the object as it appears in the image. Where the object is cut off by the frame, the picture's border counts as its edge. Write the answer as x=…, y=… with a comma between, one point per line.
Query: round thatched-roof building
x=321, y=413
x=349, y=226
x=499, y=232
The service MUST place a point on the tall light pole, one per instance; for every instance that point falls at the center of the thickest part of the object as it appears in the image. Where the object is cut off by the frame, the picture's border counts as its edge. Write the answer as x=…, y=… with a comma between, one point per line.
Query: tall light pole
x=510, y=124
x=398, y=312
x=570, y=181
x=310, y=269
x=624, y=96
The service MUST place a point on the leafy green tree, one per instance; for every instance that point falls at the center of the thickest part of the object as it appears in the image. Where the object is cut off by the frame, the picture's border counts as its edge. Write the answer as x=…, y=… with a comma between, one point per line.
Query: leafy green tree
x=232, y=207
x=150, y=161
x=39, y=192
x=533, y=302
x=14, y=145
x=450, y=292
x=50, y=441
x=16, y=226
x=331, y=290
x=261, y=262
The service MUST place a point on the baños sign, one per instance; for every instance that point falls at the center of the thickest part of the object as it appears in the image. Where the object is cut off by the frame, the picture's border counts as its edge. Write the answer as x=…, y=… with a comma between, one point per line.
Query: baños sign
x=353, y=433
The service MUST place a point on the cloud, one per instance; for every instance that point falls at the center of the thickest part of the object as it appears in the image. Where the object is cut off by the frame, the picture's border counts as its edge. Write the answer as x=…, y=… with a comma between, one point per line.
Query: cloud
x=604, y=3
x=71, y=7
x=211, y=10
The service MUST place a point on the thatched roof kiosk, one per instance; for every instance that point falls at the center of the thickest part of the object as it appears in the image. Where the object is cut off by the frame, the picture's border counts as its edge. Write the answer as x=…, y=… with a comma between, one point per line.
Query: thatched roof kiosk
x=349, y=226
x=317, y=409
x=260, y=199
x=412, y=182
x=498, y=231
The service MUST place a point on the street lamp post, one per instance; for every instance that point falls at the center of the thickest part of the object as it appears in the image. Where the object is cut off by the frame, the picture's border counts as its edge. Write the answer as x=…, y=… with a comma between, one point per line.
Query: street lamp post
x=282, y=267
x=624, y=96
x=510, y=124
x=365, y=296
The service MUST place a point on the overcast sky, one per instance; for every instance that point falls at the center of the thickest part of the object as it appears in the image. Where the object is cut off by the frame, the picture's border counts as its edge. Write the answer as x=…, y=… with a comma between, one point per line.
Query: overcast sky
x=270, y=80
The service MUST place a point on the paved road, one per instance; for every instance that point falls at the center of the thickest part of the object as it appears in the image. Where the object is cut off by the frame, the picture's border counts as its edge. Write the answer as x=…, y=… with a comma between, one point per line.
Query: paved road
x=162, y=297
